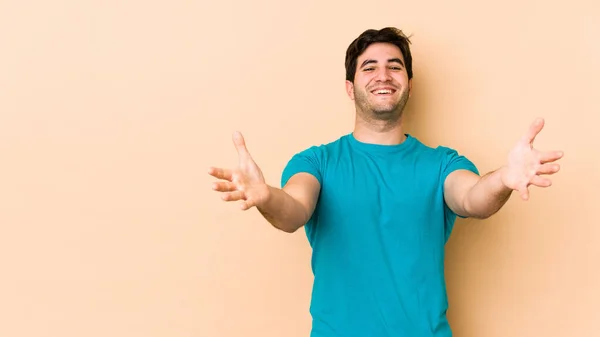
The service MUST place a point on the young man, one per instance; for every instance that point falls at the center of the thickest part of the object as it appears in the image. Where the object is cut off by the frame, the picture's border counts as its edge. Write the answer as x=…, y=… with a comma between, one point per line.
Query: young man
x=378, y=205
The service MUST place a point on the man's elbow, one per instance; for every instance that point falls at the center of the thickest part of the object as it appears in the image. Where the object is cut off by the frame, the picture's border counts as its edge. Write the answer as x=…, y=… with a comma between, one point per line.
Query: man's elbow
x=291, y=224
x=481, y=216
x=284, y=226
x=290, y=229
x=470, y=211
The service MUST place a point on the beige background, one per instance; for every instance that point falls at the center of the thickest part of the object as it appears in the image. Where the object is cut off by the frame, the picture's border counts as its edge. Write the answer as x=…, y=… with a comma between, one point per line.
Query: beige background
x=111, y=112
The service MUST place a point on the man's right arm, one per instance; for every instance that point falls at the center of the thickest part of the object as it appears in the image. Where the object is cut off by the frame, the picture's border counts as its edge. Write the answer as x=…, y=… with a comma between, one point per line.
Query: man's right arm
x=290, y=208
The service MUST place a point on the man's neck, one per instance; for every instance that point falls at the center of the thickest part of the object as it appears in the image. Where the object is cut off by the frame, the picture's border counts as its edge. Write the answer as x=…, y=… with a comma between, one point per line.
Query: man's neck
x=379, y=132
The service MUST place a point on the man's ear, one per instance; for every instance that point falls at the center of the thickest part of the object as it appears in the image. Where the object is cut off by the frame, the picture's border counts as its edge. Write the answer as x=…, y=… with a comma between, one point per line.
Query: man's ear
x=350, y=89
x=410, y=87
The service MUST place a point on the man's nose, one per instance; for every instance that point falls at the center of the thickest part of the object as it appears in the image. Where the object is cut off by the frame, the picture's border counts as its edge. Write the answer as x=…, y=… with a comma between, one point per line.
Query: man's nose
x=384, y=75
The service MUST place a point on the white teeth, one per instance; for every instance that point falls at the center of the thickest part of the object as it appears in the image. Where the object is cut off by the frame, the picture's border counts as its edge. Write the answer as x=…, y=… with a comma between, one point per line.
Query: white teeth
x=383, y=91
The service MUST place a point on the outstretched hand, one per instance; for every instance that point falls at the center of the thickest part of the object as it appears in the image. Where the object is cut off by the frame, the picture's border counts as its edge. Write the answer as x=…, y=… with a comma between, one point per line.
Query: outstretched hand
x=245, y=182
x=526, y=165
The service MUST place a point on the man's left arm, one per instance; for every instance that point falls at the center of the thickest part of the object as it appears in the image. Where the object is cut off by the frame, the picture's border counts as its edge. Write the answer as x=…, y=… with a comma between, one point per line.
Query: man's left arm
x=470, y=195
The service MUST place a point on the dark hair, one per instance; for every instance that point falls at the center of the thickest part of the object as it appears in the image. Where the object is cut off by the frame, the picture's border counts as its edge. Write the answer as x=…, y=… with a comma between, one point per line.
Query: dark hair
x=386, y=35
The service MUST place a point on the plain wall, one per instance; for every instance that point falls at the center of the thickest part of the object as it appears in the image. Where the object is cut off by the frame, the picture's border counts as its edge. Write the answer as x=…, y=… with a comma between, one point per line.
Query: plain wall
x=112, y=111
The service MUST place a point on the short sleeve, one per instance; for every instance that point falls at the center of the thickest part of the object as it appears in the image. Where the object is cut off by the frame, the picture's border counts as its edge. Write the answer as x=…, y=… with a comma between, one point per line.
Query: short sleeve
x=307, y=161
x=453, y=161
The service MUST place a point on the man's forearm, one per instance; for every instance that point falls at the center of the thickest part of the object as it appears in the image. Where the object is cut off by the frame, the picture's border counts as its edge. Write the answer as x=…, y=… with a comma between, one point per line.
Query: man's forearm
x=487, y=196
x=282, y=210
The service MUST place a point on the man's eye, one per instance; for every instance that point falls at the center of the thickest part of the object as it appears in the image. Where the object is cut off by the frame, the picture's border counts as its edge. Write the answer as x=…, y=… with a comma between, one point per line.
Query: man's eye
x=396, y=68
x=368, y=69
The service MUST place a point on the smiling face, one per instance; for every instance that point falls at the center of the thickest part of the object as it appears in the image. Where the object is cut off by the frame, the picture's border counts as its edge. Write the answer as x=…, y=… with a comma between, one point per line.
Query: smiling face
x=381, y=86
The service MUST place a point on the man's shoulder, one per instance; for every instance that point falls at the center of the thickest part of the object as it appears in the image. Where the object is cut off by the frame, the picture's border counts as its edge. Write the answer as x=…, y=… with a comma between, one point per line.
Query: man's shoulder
x=313, y=159
x=438, y=150
x=448, y=158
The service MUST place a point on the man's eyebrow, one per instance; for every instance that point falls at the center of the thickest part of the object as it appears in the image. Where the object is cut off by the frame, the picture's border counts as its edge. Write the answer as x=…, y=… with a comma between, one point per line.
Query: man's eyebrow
x=367, y=61
x=397, y=60
x=392, y=60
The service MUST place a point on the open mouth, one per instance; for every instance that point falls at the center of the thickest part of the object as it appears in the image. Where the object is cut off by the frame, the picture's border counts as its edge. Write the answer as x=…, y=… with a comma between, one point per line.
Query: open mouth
x=383, y=92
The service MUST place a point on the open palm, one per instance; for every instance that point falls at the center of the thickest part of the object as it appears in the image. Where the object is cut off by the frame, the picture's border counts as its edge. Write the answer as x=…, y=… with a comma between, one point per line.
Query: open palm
x=245, y=182
x=526, y=165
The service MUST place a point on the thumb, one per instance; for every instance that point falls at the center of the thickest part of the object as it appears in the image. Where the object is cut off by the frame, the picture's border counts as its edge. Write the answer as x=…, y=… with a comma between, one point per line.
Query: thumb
x=524, y=192
x=534, y=130
x=240, y=145
x=246, y=205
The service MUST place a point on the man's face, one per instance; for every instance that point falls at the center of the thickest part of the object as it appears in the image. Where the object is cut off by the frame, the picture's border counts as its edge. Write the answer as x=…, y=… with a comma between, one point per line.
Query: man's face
x=381, y=86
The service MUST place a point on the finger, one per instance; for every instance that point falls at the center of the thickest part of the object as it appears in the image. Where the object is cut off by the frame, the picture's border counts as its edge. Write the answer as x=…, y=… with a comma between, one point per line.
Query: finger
x=524, y=193
x=240, y=145
x=234, y=196
x=548, y=169
x=550, y=156
x=246, y=205
x=224, y=186
x=220, y=173
x=540, y=181
x=534, y=130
